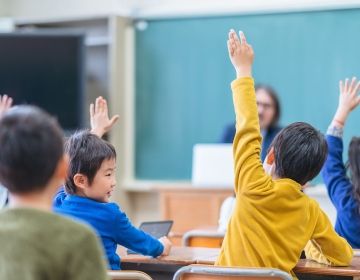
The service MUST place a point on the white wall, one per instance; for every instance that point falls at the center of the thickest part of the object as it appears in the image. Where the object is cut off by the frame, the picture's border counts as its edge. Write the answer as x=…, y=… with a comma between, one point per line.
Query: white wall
x=4, y=8
x=37, y=9
x=166, y=8
x=45, y=9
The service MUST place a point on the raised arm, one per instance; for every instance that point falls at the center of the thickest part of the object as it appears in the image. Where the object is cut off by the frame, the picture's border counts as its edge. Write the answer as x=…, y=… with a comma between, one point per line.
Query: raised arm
x=334, y=172
x=99, y=117
x=249, y=172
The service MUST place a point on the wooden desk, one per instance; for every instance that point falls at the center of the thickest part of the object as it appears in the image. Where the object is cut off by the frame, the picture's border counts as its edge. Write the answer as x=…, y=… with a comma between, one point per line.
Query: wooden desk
x=306, y=269
x=178, y=255
x=165, y=267
x=310, y=270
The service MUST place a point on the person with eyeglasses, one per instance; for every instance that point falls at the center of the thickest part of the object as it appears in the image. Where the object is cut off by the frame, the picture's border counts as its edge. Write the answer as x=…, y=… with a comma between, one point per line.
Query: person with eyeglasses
x=268, y=105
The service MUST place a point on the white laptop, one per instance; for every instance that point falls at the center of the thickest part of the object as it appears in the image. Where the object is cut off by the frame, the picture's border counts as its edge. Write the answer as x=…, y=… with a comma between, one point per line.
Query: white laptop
x=213, y=166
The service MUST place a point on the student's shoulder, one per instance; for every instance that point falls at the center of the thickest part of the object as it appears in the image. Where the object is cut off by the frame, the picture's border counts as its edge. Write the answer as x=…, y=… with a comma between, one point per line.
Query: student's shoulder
x=66, y=227
x=313, y=207
x=48, y=224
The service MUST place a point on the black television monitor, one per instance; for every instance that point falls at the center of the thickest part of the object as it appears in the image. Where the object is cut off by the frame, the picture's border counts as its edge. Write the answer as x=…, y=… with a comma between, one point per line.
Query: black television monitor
x=46, y=70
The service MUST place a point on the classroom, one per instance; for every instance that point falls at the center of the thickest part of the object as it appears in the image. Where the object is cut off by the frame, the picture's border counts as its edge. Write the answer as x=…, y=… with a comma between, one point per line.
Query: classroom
x=179, y=140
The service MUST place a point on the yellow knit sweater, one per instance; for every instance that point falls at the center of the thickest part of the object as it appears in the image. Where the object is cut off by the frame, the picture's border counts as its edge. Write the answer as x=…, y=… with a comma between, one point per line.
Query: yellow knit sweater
x=273, y=220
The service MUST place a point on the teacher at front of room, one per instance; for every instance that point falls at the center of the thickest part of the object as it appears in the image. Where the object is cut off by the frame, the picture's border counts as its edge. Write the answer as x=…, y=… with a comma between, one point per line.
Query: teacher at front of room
x=269, y=114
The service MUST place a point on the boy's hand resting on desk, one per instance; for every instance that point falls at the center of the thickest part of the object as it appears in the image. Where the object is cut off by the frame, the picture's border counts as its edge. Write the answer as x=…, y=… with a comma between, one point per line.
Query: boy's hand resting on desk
x=167, y=245
x=348, y=100
x=99, y=117
x=241, y=54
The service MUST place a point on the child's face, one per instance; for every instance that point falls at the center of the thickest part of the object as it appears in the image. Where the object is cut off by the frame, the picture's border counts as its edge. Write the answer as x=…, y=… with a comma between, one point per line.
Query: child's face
x=104, y=182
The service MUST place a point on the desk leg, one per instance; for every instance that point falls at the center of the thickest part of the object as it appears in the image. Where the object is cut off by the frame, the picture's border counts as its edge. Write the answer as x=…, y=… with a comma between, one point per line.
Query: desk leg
x=156, y=271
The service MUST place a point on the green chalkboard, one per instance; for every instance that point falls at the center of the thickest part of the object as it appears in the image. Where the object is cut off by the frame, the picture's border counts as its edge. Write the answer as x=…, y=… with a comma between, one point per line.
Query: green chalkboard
x=183, y=74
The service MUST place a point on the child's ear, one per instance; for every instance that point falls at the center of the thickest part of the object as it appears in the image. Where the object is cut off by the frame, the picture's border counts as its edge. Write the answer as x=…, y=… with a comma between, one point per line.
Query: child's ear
x=80, y=181
x=270, y=158
x=269, y=163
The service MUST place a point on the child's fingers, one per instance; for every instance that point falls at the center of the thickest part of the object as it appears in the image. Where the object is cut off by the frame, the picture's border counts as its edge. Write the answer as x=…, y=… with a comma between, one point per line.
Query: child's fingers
x=230, y=48
x=346, y=86
x=230, y=35
x=341, y=86
x=233, y=34
x=97, y=104
x=232, y=39
x=92, y=110
x=236, y=39
x=352, y=83
x=105, y=106
x=233, y=44
x=242, y=38
x=101, y=105
x=4, y=99
x=114, y=119
x=9, y=102
x=357, y=87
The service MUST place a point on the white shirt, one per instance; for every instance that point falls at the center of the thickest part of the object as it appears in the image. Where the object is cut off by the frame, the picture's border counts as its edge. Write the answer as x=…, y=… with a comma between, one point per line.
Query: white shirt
x=226, y=211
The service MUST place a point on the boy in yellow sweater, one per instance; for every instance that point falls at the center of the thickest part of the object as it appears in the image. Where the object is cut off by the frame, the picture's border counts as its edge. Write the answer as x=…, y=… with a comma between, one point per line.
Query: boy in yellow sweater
x=273, y=219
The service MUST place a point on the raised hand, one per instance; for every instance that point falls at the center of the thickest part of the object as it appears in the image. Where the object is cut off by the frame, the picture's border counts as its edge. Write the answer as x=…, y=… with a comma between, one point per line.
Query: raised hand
x=241, y=54
x=348, y=100
x=5, y=104
x=99, y=117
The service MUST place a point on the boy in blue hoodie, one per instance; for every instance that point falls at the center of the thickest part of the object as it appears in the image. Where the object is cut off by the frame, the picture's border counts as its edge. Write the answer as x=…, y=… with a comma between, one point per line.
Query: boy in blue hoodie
x=89, y=186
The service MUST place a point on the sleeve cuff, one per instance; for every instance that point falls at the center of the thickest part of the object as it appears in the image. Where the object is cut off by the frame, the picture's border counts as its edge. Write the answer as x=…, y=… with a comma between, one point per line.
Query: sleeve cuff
x=241, y=81
x=313, y=252
x=160, y=249
x=335, y=131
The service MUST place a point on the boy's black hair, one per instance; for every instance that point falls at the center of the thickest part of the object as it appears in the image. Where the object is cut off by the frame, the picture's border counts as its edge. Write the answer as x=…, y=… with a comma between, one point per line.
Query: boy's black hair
x=86, y=152
x=300, y=152
x=31, y=145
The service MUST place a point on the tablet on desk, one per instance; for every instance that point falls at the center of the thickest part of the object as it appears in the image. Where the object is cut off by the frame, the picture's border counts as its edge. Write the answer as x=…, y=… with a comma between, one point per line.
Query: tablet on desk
x=155, y=229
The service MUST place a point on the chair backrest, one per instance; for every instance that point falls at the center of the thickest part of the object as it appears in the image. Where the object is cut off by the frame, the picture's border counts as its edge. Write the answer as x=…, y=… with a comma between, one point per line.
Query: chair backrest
x=128, y=275
x=203, y=238
x=201, y=272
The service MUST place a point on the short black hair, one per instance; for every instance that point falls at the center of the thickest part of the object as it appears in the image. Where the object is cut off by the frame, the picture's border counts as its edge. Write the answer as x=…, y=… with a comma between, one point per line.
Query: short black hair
x=300, y=152
x=31, y=146
x=86, y=152
x=274, y=97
